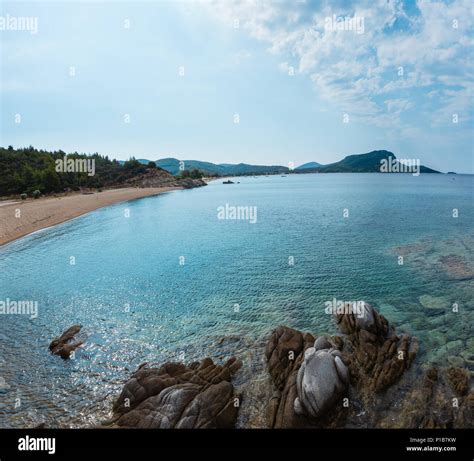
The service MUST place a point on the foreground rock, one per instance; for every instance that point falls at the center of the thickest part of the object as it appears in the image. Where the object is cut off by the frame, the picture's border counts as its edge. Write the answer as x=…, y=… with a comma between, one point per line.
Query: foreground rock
x=199, y=395
x=377, y=357
x=64, y=345
x=305, y=379
x=362, y=378
x=320, y=382
x=322, y=379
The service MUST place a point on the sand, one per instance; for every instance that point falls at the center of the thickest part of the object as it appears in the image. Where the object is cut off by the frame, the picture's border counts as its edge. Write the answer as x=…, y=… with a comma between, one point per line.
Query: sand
x=44, y=212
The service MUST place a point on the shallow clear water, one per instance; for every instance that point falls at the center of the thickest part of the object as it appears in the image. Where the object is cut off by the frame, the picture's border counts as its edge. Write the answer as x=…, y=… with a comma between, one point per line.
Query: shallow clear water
x=137, y=303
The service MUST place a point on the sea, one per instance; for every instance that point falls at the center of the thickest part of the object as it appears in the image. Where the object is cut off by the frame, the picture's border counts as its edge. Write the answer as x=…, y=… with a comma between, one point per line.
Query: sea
x=212, y=271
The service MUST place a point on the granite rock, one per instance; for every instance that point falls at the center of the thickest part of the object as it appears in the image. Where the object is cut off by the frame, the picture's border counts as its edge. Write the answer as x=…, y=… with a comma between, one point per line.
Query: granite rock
x=377, y=357
x=175, y=395
x=321, y=381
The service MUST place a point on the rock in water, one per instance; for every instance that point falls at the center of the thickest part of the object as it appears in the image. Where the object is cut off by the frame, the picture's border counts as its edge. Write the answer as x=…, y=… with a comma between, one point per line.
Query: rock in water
x=322, y=380
x=377, y=357
x=175, y=395
x=63, y=345
x=285, y=354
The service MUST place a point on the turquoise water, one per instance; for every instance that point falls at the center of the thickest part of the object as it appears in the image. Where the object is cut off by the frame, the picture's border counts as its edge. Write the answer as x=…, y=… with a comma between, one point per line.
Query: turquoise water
x=137, y=303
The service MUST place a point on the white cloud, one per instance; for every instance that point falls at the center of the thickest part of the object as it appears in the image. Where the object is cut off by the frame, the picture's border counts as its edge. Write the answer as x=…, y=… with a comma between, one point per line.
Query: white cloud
x=353, y=70
x=398, y=105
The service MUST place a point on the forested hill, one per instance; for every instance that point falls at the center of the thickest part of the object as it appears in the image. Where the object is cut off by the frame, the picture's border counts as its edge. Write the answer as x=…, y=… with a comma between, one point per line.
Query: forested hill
x=27, y=170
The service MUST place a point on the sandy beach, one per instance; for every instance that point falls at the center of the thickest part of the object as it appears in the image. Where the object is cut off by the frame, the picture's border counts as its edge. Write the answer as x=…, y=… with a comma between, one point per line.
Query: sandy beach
x=38, y=214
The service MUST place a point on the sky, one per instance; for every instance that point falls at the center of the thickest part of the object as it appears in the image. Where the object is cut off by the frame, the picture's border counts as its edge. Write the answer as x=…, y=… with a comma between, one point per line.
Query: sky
x=262, y=82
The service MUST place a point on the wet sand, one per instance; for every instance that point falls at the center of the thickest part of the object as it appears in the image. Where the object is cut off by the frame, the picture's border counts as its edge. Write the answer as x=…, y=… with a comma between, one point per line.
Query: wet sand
x=18, y=218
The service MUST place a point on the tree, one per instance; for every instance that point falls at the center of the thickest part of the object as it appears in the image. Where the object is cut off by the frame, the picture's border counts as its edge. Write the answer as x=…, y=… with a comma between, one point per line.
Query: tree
x=50, y=180
x=196, y=174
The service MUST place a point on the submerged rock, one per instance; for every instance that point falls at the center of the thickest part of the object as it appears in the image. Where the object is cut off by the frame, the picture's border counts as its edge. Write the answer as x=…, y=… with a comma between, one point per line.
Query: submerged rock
x=468, y=358
x=199, y=395
x=64, y=345
x=434, y=302
x=456, y=361
x=456, y=267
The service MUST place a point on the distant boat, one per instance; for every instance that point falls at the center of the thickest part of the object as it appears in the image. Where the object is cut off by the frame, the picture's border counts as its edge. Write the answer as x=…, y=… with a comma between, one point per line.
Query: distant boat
x=228, y=182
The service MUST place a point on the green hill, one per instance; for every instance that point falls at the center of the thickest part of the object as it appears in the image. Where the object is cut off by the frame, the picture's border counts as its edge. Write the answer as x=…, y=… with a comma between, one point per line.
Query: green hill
x=362, y=163
x=27, y=170
x=305, y=166
x=172, y=165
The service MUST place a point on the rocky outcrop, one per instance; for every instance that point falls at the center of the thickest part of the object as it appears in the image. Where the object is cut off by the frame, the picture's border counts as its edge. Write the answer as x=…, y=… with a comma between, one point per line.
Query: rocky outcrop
x=312, y=377
x=296, y=403
x=375, y=354
x=362, y=378
x=157, y=177
x=190, y=183
x=64, y=345
x=199, y=395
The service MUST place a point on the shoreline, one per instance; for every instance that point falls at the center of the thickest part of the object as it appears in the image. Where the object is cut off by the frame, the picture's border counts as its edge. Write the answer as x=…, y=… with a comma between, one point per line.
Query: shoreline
x=50, y=211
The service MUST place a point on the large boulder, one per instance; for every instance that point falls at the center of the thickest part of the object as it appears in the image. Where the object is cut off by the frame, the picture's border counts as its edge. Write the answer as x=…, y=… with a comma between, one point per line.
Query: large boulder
x=322, y=379
x=285, y=354
x=175, y=395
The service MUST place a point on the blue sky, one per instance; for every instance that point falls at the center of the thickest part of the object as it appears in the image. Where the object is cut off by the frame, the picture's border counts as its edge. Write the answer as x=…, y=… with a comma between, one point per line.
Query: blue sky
x=292, y=81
